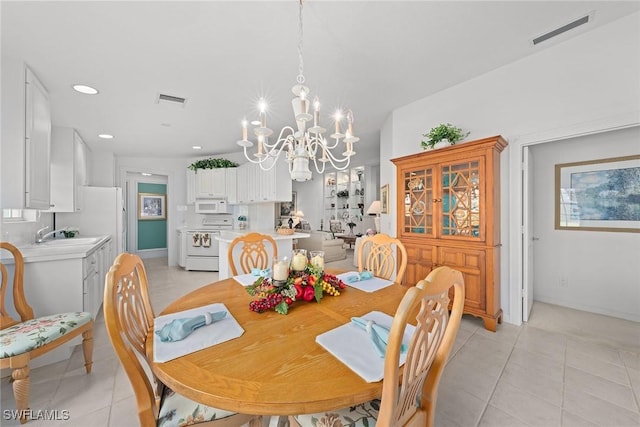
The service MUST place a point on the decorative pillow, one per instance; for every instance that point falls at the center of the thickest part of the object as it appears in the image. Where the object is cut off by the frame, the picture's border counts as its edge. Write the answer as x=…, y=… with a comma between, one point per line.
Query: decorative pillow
x=335, y=226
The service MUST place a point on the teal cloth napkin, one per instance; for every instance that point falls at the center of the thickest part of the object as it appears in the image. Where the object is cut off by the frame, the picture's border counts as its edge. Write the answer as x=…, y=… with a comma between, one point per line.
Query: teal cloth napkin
x=262, y=273
x=365, y=275
x=378, y=334
x=179, y=329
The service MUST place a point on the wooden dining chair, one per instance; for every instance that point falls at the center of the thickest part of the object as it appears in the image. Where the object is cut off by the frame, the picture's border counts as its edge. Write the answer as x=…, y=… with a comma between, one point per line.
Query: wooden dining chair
x=30, y=337
x=253, y=252
x=377, y=254
x=414, y=402
x=129, y=320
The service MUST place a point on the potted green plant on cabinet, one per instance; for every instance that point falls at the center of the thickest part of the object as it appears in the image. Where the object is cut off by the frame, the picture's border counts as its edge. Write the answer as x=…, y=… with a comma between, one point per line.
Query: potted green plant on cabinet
x=443, y=135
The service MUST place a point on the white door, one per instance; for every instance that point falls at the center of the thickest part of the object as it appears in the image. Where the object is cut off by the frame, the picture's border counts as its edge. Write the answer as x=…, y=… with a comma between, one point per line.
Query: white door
x=528, y=238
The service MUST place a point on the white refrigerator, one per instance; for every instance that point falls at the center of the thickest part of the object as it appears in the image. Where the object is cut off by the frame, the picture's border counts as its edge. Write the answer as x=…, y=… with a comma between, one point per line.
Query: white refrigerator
x=102, y=213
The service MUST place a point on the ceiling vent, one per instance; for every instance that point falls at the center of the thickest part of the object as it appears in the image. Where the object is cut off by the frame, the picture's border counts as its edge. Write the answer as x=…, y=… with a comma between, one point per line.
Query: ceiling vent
x=570, y=26
x=171, y=100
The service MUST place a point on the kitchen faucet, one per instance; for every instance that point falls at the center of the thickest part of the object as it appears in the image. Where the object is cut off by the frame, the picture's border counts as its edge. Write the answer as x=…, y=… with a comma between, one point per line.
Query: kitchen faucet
x=41, y=238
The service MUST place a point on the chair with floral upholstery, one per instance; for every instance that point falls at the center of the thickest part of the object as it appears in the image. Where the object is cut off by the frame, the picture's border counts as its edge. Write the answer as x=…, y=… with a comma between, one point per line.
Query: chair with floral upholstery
x=413, y=403
x=253, y=252
x=30, y=337
x=377, y=254
x=129, y=320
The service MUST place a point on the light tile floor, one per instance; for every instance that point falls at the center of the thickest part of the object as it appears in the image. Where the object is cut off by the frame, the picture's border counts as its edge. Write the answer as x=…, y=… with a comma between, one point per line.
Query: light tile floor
x=564, y=368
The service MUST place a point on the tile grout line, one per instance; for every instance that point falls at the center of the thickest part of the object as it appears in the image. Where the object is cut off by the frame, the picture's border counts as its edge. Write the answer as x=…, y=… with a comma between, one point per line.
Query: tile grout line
x=495, y=386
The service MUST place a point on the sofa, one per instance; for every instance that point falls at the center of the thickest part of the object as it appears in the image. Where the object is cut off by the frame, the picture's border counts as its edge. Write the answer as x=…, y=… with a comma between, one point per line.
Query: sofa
x=324, y=241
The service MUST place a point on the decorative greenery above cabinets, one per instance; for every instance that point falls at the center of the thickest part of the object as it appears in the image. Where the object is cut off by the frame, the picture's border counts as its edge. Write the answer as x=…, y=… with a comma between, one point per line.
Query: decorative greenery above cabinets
x=441, y=132
x=212, y=163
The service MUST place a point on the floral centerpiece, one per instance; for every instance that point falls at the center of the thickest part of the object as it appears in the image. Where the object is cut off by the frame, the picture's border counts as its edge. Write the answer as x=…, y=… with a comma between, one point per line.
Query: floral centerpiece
x=305, y=285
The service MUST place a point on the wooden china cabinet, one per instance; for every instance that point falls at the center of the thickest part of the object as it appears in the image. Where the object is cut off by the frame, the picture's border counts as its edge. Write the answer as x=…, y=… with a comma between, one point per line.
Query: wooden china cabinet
x=448, y=203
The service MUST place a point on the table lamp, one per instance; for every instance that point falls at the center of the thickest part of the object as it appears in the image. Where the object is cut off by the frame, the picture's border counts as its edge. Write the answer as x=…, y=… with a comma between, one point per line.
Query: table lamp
x=375, y=209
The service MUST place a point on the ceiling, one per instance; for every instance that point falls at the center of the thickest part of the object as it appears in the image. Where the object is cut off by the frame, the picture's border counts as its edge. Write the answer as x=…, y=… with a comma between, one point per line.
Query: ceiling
x=222, y=56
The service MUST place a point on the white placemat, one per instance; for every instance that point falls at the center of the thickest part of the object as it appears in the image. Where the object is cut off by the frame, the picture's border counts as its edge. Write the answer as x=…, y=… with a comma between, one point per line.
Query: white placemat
x=352, y=346
x=206, y=336
x=368, y=285
x=246, y=279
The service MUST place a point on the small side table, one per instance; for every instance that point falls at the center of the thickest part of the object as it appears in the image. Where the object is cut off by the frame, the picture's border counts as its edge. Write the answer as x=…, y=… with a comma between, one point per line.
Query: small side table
x=349, y=239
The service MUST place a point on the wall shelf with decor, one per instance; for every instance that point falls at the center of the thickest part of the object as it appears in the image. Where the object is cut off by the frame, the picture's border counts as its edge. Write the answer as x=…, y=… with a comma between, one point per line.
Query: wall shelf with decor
x=344, y=196
x=448, y=207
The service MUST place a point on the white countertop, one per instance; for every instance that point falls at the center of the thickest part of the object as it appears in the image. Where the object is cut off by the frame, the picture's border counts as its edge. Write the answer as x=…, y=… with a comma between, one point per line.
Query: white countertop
x=34, y=252
x=227, y=236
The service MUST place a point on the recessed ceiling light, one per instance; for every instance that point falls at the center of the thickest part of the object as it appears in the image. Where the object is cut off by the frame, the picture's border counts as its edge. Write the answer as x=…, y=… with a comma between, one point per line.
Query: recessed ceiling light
x=87, y=90
x=197, y=147
x=105, y=136
x=167, y=125
x=145, y=174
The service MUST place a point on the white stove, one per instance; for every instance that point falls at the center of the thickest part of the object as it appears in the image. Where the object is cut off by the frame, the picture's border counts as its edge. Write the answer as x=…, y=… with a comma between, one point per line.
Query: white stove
x=199, y=244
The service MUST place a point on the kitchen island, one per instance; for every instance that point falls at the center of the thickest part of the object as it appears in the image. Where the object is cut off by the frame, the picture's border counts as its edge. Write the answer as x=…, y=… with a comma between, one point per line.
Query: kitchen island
x=283, y=242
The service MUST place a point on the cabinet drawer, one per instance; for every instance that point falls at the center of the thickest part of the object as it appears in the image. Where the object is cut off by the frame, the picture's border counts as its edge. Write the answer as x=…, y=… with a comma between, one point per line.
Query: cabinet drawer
x=90, y=264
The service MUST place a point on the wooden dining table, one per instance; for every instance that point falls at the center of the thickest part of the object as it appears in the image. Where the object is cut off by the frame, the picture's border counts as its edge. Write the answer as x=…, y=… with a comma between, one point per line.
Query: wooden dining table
x=275, y=367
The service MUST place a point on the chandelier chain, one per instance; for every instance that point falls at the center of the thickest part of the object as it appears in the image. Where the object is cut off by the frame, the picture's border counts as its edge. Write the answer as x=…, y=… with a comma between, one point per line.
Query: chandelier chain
x=300, y=77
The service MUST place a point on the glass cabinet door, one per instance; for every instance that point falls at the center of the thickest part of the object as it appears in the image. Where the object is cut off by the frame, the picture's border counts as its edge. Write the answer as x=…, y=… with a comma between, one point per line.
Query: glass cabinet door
x=418, y=201
x=461, y=199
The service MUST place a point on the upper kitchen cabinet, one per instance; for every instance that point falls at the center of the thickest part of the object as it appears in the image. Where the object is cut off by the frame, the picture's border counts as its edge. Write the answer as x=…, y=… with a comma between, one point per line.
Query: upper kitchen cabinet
x=211, y=183
x=69, y=156
x=26, y=139
x=217, y=183
x=261, y=186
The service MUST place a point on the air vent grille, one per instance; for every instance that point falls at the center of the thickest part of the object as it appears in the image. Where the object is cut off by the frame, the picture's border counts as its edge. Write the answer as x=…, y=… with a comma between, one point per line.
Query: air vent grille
x=571, y=25
x=170, y=98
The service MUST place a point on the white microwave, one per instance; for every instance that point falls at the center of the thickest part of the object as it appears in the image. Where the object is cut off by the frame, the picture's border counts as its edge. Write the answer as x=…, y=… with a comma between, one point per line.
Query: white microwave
x=211, y=206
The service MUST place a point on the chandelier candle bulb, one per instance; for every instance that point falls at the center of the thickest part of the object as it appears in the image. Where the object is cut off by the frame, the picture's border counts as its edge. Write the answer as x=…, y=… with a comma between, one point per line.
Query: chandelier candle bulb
x=244, y=130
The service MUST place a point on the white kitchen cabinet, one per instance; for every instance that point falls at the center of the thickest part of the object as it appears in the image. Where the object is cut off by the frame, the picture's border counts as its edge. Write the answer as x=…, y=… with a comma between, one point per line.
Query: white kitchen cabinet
x=255, y=185
x=37, y=143
x=68, y=169
x=211, y=183
x=232, y=185
x=68, y=284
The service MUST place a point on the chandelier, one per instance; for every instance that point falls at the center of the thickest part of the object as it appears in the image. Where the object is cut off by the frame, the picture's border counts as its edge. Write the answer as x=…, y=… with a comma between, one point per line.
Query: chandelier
x=307, y=143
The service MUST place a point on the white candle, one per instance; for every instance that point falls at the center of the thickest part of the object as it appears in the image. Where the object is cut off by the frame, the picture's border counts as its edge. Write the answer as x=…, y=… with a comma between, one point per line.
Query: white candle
x=280, y=270
x=263, y=114
x=318, y=262
x=338, y=117
x=316, y=112
x=260, y=145
x=244, y=130
x=299, y=262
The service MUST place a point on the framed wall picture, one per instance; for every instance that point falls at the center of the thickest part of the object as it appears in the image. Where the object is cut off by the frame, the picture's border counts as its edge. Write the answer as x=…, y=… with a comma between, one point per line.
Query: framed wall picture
x=152, y=206
x=287, y=209
x=384, y=198
x=598, y=195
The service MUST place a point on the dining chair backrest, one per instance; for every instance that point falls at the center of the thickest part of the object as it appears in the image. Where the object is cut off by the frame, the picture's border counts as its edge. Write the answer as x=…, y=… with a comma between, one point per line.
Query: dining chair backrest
x=20, y=304
x=129, y=317
x=253, y=253
x=378, y=254
x=29, y=337
x=413, y=403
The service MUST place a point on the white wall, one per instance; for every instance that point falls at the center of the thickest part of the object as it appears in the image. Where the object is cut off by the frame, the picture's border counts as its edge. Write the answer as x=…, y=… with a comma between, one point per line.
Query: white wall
x=586, y=84
x=601, y=268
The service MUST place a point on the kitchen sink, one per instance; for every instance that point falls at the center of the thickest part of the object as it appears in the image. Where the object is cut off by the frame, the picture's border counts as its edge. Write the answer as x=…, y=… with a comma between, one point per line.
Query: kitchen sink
x=70, y=241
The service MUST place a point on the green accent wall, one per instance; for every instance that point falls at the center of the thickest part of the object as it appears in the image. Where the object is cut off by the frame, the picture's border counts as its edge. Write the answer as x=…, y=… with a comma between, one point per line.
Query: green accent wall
x=152, y=234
